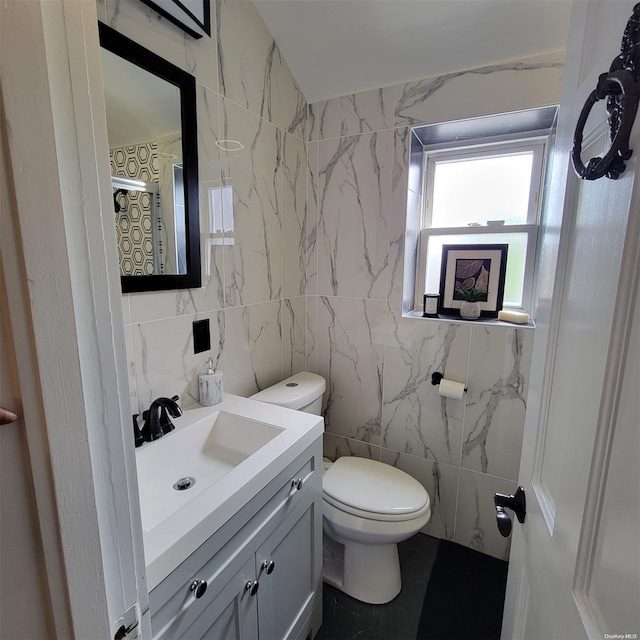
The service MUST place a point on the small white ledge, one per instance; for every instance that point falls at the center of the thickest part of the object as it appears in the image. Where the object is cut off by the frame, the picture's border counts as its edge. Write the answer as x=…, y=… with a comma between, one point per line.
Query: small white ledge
x=494, y=322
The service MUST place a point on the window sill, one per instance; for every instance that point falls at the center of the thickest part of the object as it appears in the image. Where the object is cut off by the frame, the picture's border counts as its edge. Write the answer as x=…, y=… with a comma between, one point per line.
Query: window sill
x=494, y=322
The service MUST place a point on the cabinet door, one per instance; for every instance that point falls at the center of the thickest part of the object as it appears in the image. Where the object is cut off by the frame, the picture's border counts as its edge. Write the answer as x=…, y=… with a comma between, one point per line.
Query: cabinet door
x=232, y=614
x=290, y=587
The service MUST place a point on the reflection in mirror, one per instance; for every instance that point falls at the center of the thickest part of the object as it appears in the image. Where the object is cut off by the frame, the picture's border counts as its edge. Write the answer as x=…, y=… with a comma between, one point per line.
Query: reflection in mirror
x=153, y=165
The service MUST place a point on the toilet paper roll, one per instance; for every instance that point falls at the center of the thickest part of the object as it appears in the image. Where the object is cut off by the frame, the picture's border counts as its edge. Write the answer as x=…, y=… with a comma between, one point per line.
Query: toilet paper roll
x=451, y=389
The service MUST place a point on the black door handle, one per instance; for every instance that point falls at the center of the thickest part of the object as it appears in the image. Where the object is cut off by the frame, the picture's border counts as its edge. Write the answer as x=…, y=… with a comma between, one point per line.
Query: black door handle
x=517, y=503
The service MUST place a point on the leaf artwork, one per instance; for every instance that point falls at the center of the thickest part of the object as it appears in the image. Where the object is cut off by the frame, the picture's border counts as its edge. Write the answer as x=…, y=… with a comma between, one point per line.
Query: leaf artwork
x=467, y=268
x=471, y=274
x=482, y=282
x=469, y=283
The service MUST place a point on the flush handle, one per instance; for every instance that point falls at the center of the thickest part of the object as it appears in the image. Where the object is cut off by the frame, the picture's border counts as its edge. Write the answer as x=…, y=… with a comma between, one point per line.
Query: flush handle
x=517, y=503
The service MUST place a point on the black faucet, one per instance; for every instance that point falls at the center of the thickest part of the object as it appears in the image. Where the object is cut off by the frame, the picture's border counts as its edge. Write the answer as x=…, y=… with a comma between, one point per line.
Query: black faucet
x=157, y=420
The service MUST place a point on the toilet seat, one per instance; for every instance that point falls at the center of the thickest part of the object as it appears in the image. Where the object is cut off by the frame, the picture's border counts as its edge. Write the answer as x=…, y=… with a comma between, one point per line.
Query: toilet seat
x=374, y=490
x=380, y=517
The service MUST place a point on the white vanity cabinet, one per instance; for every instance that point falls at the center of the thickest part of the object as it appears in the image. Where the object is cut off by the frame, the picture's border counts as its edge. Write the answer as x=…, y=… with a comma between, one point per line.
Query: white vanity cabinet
x=263, y=568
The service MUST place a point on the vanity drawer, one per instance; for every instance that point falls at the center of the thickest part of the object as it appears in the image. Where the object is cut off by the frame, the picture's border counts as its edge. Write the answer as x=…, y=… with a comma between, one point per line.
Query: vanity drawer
x=173, y=605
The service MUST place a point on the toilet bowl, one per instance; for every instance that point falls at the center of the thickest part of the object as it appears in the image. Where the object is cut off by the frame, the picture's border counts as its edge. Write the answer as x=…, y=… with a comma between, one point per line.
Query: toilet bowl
x=367, y=507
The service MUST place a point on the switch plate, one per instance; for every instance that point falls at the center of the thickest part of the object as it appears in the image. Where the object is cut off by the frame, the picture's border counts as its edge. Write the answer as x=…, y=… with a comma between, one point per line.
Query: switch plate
x=201, y=336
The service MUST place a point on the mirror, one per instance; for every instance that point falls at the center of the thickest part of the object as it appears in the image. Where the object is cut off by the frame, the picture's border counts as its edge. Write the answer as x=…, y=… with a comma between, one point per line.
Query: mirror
x=151, y=122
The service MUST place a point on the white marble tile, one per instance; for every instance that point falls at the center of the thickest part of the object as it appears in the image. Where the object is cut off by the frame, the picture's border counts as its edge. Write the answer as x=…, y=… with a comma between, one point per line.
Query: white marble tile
x=415, y=419
x=499, y=364
x=403, y=254
x=248, y=60
x=294, y=105
x=353, y=215
x=131, y=369
x=294, y=331
x=335, y=447
x=441, y=483
x=351, y=114
x=350, y=353
x=254, y=343
x=211, y=185
x=159, y=305
x=511, y=86
x=476, y=514
x=293, y=214
x=101, y=10
x=311, y=350
x=253, y=253
x=149, y=29
x=165, y=362
x=312, y=218
x=405, y=216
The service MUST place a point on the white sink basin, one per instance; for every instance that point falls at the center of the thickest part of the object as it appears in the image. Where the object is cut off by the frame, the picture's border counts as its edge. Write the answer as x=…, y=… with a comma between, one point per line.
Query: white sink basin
x=195, y=478
x=181, y=465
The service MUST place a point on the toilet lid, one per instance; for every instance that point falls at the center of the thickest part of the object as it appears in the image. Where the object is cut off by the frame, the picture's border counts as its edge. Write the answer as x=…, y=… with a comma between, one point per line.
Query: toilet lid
x=373, y=486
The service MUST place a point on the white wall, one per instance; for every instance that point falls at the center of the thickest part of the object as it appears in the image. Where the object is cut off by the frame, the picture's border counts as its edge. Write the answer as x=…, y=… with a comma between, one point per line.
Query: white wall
x=315, y=281
x=378, y=364
x=253, y=286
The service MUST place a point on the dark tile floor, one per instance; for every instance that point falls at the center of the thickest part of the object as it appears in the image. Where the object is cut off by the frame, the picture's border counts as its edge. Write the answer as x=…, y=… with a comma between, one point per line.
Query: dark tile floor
x=345, y=618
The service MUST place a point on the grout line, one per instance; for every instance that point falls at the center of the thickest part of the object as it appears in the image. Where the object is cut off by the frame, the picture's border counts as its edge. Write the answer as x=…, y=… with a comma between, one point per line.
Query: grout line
x=237, y=104
x=361, y=133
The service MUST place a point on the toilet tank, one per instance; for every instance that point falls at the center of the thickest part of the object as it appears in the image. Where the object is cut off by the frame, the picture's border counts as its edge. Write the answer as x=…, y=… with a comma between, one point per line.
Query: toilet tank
x=302, y=392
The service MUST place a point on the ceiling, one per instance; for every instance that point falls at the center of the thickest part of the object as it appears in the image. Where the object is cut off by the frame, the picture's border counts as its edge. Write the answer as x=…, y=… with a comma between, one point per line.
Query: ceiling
x=336, y=47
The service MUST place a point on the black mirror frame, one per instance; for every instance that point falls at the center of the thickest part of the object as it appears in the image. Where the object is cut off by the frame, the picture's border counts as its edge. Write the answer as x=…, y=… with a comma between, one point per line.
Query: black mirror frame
x=129, y=50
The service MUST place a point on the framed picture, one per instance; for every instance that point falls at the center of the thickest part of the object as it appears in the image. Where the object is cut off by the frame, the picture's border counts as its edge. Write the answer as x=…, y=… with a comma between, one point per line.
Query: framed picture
x=192, y=16
x=473, y=266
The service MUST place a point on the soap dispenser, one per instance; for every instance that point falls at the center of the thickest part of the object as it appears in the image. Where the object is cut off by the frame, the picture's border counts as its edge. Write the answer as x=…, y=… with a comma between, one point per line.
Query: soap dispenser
x=210, y=383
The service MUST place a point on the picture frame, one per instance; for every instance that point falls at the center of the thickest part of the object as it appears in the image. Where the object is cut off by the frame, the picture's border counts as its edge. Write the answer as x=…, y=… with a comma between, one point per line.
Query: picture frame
x=192, y=16
x=479, y=266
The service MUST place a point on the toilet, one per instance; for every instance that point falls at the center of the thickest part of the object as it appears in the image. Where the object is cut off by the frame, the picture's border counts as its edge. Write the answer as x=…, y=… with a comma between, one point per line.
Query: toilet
x=367, y=507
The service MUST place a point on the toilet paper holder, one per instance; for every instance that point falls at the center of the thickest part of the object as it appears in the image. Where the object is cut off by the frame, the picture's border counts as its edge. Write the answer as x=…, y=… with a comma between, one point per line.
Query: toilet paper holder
x=437, y=377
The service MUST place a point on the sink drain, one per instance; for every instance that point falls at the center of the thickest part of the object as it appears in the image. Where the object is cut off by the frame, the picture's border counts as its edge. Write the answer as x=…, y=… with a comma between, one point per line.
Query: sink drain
x=184, y=483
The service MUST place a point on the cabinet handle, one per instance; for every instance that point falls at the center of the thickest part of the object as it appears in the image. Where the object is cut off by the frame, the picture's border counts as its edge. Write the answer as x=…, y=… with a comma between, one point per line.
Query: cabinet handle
x=198, y=587
x=296, y=483
x=252, y=587
x=269, y=566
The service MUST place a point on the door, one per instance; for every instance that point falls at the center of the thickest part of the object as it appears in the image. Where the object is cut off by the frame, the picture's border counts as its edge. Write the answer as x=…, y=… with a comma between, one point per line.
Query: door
x=289, y=568
x=232, y=613
x=574, y=570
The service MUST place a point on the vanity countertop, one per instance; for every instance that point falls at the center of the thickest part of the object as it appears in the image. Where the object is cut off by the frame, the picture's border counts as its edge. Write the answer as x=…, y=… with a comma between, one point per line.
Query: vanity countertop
x=228, y=474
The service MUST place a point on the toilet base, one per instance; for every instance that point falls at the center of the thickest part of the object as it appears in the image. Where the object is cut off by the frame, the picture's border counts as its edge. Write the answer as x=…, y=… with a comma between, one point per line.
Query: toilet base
x=372, y=571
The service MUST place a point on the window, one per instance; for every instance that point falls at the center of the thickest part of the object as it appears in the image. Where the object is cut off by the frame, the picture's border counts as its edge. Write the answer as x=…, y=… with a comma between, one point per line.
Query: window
x=485, y=193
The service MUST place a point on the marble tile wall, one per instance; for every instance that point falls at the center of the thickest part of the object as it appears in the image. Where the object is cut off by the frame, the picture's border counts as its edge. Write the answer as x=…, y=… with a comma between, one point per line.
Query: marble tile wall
x=363, y=178
x=312, y=271
x=254, y=274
